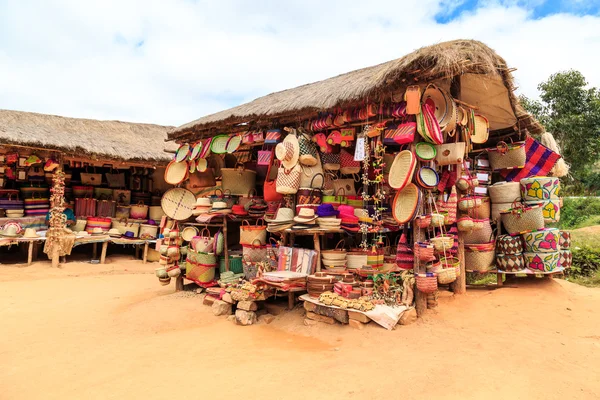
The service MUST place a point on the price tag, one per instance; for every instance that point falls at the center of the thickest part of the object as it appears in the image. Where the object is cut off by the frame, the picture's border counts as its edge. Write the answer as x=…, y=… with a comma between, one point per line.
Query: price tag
x=359, y=152
x=480, y=190
x=483, y=177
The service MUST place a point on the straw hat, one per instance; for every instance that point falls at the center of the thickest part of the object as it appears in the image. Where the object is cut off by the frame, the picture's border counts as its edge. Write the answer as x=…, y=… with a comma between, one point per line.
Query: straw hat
x=283, y=215
x=97, y=231
x=279, y=227
x=83, y=233
x=114, y=232
x=238, y=209
x=305, y=215
x=9, y=231
x=288, y=151
x=30, y=233
x=203, y=202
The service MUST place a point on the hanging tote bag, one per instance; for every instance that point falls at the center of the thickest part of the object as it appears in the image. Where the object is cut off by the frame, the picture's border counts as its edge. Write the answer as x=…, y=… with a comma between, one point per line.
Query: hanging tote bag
x=288, y=180
x=239, y=181
x=521, y=218
x=253, y=234
x=308, y=151
x=93, y=178
x=505, y=156
x=450, y=153
x=348, y=165
x=306, y=177
x=400, y=134
x=313, y=193
x=115, y=179
x=270, y=192
x=448, y=206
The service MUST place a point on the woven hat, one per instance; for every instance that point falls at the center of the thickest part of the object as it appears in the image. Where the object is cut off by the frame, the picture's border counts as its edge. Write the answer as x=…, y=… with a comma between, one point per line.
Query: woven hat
x=305, y=215
x=9, y=231
x=481, y=129
x=345, y=210
x=203, y=202
x=219, y=144
x=288, y=151
x=188, y=233
x=178, y=203
x=283, y=215
x=182, y=152
x=238, y=209
x=279, y=227
x=326, y=210
x=406, y=203
x=402, y=169
x=97, y=231
x=219, y=205
x=30, y=233
x=176, y=172
x=126, y=235
x=114, y=232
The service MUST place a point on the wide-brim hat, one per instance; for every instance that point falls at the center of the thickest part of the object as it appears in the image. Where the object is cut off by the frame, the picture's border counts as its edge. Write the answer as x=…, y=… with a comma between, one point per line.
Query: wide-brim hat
x=239, y=210
x=283, y=215
x=9, y=231
x=114, y=232
x=279, y=227
x=203, y=202
x=129, y=235
x=219, y=205
x=97, y=231
x=440, y=100
x=288, y=151
x=30, y=233
x=326, y=210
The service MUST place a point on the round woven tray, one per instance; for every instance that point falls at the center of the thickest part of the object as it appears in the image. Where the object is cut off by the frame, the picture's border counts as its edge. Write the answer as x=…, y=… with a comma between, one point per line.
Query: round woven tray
x=406, y=203
x=402, y=169
x=176, y=172
x=178, y=203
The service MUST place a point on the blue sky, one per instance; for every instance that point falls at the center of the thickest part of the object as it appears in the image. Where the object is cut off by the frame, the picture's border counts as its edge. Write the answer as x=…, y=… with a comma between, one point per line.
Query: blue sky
x=172, y=62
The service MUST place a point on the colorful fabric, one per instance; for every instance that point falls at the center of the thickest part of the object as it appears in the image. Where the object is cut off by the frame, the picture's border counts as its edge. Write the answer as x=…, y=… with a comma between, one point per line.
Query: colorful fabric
x=539, y=161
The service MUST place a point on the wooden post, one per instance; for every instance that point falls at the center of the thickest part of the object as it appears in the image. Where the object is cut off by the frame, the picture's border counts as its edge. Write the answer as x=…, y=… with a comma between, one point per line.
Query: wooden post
x=225, y=245
x=30, y=253
x=318, y=249
x=420, y=297
x=291, y=299
x=144, y=260
x=103, y=253
x=94, y=251
x=179, y=283
x=460, y=285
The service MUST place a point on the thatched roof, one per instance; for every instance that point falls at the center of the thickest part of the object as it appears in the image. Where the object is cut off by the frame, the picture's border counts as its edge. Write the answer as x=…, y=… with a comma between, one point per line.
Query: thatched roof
x=111, y=140
x=430, y=63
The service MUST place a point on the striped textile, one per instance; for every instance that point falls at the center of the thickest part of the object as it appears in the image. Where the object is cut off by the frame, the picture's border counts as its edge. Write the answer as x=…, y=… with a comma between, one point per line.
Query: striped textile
x=539, y=161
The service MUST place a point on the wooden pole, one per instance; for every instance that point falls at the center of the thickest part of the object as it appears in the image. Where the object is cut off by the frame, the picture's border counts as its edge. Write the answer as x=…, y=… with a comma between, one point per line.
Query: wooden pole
x=420, y=297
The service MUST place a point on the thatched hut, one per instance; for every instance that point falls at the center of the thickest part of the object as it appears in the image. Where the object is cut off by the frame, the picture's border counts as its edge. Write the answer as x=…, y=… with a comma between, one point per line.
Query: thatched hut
x=481, y=76
x=122, y=142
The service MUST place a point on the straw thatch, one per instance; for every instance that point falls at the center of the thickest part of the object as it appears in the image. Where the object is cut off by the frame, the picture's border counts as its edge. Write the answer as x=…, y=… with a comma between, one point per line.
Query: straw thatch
x=442, y=60
x=111, y=140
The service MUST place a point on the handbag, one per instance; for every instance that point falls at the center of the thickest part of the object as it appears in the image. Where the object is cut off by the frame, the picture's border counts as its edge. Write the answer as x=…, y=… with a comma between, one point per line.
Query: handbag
x=412, y=97
x=448, y=206
x=331, y=161
x=348, y=165
x=253, y=234
x=428, y=125
x=450, y=153
x=308, y=151
x=288, y=180
x=400, y=134
x=115, y=180
x=93, y=179
x=273, y=136
x=346, y=184
x=312, y=194
x=270, y=187
x=505, y=156
x=204, y=242
x=265, y=157
x=239, y=181
x=122, y=196
x=308, y=173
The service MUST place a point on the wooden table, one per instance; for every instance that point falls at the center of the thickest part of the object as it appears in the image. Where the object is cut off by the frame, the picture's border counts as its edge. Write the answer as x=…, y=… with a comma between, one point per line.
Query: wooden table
x=94, y=240
x=137, y=243
x=32, y=243
x=316, y=233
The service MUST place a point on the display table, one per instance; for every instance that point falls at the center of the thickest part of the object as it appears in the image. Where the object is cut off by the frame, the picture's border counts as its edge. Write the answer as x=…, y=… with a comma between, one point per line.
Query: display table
x=32, y=244
x=288, y=236
x=94, y=240
x=138, y=243
x=37, y=223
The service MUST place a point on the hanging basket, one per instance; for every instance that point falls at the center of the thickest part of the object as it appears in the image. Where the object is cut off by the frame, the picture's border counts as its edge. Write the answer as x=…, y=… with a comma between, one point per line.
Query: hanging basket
x=446, y=275
x=427, y=283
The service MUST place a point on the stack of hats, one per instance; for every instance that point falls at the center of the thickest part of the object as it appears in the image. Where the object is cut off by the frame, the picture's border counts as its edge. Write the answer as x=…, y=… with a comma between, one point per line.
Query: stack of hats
x=349, y=220
x=363, y=215
x=306, y=219
x=203, y=206
x=239, y=210
x=284, y=219
x=319, y=283
x=220, y=207
x=257, y=208
x=328, y=217
x=271, y=209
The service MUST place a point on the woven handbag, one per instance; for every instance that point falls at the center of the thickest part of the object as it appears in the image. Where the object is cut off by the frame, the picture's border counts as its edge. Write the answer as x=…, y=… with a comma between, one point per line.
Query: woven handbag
x=239, y=181
x=307, y=175
x=404, y=254
x=331, y=161
x=450, y=153
x=424, y=251
x=449, y=206
x=542, y=262
x=505, y=156
x=446, y=275
x=403, y=133
x=254, y=253
x=348, y=165
x=481, y=233
x=250, y=234
x=427, y=283
x=308, y=151
x=522, y=218
x=288, y=180
x=479, y=257
x=505, y=192
x=510, y=262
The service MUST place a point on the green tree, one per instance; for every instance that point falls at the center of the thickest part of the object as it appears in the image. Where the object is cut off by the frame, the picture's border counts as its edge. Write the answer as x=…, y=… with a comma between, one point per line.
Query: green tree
x=571, y=111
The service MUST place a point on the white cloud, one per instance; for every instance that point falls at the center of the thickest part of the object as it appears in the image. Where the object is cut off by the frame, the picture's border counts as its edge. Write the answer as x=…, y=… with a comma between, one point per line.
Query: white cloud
x=171, y=62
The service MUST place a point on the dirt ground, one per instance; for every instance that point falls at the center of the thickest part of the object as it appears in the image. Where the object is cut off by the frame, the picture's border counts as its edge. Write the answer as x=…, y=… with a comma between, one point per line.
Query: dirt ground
x=111, y=332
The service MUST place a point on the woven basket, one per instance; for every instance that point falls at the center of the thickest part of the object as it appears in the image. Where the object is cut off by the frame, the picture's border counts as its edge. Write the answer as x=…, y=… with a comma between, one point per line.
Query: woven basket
x=510, y=262
x=447, y=275
x=200, y=273
x=356, y=259
x=252, y=253
x=543, y=241
x=482, y=232
x=550, y=209
x=450, y=153
x=406, y=203
x=423, y=221
x=565, y=240
x=426, y=283
x=253, y=234
x=465, y=224
x=178, y=203
x=522, y=219
x=424, y=251
x=483, y=210
x=479, y=258
x=497, y=208
x=505, y=192
x=506, y=156
x=434, y=266
x=425, y=151
x=201, y=258
x=506, y=244
x=239, y=181
x=542, y=262
x=451, y=262
x=437, y=219
x=176, y=172
x=566, y=259
x=98, y=222
x=538, y=188
x=250, y=270
x=442, y=243
x=402, y=169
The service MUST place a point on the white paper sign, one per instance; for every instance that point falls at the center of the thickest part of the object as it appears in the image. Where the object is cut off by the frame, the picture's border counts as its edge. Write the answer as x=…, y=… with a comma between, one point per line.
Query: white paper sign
x=481, y=190
x=359, y=152
x=482, y=162
x=483, y=177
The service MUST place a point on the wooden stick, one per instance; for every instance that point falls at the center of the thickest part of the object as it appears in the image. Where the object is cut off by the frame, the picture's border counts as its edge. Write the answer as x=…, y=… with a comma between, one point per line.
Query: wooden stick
x=30, y=253
x=466, y=104
x=103, y=253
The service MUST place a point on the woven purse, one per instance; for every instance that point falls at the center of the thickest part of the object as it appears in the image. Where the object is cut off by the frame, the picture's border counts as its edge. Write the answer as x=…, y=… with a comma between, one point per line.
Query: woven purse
x=250, y=234
x=521, y=218
x=288, y=180
x=448, y=206
x=505, y=156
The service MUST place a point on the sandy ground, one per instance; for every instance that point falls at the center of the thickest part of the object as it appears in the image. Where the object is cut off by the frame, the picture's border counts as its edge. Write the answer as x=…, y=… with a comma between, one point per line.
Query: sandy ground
x=111, y=332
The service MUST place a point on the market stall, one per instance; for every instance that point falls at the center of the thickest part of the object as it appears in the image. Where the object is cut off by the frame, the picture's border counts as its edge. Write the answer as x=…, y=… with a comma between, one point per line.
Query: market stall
x=111, y=180
x=422, y=170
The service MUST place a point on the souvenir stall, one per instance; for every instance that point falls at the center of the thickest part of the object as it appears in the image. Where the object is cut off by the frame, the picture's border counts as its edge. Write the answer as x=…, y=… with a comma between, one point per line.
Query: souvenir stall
x=107, y=186
x=394, y=172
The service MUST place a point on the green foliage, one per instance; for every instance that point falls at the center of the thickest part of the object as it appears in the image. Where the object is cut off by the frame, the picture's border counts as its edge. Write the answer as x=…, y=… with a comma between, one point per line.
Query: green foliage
x=579, y=212
x=589, y=281
x=571, y=111
x=586, y=262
